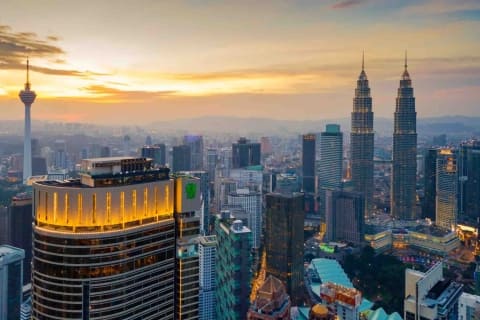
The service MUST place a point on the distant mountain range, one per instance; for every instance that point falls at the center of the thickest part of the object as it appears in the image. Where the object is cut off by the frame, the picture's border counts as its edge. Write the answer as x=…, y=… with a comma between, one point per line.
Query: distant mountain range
x=451, y=125
x=458, y=125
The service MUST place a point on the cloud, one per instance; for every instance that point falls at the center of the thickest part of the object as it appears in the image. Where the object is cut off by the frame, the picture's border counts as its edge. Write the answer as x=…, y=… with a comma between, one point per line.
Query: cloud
x=113, y=94
x=442, y=7
x=343, y=4
x=16, y=46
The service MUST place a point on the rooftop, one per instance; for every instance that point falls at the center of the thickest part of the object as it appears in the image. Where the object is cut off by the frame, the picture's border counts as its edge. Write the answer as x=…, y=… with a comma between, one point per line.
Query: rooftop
x=9, y=254
x=330, y=271
x=380, y=314
x=432, y=230
x=208, y=240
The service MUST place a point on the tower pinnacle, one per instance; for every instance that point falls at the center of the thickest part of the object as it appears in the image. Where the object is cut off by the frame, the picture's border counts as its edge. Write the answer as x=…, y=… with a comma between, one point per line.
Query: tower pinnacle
x=406, y=60
x=27, y=84
x=363, y=60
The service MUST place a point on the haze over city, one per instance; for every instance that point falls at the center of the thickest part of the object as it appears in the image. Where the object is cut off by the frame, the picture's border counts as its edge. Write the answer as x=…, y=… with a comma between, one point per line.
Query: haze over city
x=134, y=62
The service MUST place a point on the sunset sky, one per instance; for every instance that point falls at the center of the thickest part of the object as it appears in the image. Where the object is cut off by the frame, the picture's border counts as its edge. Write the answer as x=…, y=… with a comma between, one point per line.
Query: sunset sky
x=133, y=62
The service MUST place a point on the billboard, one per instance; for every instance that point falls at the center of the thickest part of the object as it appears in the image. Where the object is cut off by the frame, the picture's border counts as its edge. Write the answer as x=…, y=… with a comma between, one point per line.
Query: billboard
x=187, y=194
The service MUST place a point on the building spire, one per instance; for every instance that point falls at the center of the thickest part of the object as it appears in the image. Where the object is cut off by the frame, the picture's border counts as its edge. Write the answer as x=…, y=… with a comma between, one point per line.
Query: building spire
x=27, y=84
x=406, y=60
x=363, y=60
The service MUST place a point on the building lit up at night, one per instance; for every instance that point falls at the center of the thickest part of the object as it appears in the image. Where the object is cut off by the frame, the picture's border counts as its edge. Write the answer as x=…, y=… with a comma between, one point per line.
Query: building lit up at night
x=104, y=244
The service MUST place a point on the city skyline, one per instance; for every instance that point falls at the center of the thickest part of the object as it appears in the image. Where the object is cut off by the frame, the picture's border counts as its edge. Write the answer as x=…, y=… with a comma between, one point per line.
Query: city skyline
x=191, y=59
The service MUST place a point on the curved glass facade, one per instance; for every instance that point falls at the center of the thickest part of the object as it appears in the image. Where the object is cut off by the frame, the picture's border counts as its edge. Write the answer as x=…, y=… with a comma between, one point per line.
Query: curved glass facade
x=114, y=275
x=103, y=252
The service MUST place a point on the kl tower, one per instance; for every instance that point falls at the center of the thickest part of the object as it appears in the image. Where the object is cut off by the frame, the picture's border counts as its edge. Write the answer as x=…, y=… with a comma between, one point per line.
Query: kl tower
x=28, y=97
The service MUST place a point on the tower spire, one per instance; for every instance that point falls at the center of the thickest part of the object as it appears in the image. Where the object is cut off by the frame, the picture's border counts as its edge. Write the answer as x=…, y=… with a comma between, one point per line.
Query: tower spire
x=27, y=84
x=363, y=60
x=406, y=60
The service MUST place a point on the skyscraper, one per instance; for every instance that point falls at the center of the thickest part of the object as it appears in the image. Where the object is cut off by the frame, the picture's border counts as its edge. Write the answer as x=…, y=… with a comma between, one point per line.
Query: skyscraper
x=195, y=143
x=156, y=152
x=446, y=189
x=404, y=166
x=212, y=159
x=207, y=252
x=284, y=241
x=233, y=269
x=20, y=224
x=181, y=158
x=245, y=153
x=469, y=174
x=251, y=202
x=187, y=230
x=330, y=164
x=205, y=198
x=104, y=245
x=60, y=155
x=344, y=216
x=308, y=163
x=430, y=183
x=11, y=273
x=330, y=167
x=28, y=97
x=361, y=141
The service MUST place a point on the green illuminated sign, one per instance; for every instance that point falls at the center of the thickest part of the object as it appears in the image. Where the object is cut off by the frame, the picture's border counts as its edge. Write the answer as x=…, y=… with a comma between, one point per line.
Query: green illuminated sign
x=327, y=248
x=191, y=190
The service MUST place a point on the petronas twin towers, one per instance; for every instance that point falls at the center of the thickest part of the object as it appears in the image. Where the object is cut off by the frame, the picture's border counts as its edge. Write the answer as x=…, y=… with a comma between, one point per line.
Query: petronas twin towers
x=403, y=194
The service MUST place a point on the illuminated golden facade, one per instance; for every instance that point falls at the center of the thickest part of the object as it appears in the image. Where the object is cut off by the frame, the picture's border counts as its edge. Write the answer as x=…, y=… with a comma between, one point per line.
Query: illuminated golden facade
x=105, y=250
x=70, y=207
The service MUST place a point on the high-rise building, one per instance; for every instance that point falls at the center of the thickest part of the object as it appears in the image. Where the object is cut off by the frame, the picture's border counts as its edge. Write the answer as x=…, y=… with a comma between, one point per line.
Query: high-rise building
x=60, y=155
x=156, y=152
x=20, y=224
x=248, y=177
x=361, y=141
x=245, y=153
x=11, y=273
x=207, y=250
x=225, y=162
x=308, y=163
x=446, y=189
x=223, y=187
x=469, y=175
x=4, y=225
x=404, y=165
x=251, y=202
x=233, y=269
x=271, y=302
x=196, y=151
x=187, y=230
x=330, y=164
x=205, y=198
x=104, y=244
x=28, y=97
x=344, y=216
x=429, y=296
x=212, y=160
x=284, y=241
x=181, y=158
x=430, y=183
